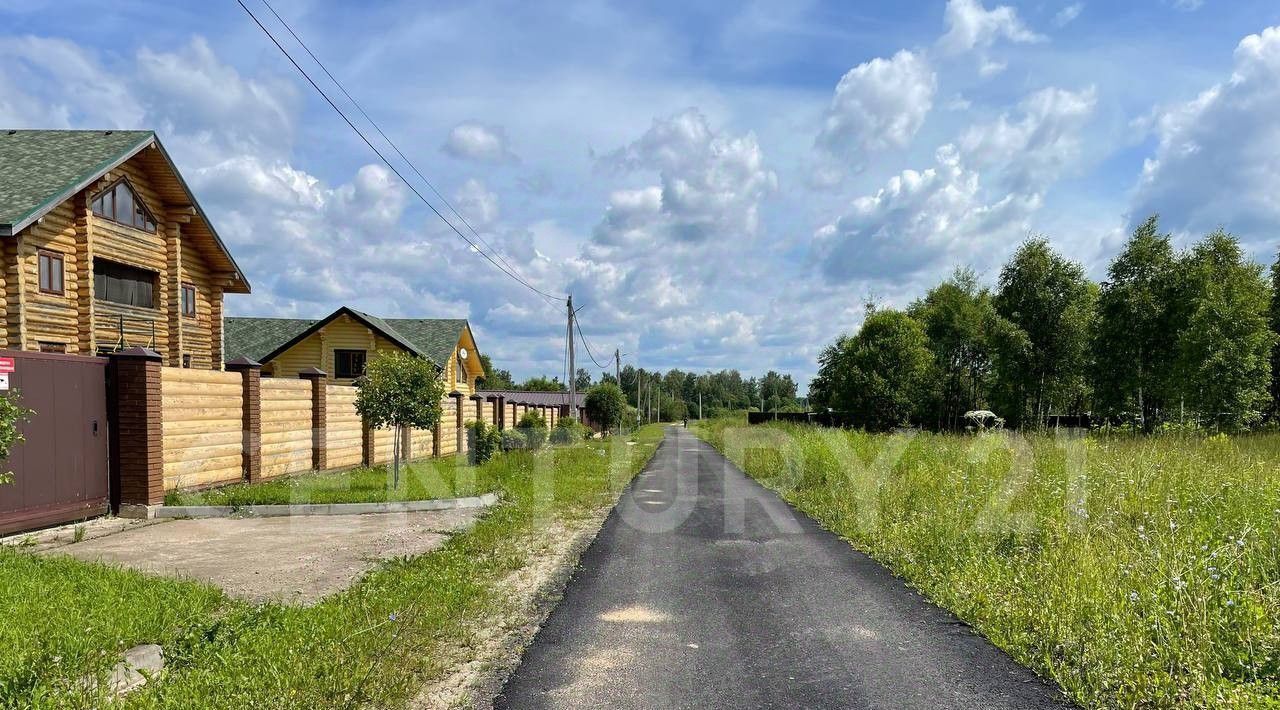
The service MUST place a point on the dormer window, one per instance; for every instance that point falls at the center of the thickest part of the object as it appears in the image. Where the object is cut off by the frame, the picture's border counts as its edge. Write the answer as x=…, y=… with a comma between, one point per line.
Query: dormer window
x=119, y=203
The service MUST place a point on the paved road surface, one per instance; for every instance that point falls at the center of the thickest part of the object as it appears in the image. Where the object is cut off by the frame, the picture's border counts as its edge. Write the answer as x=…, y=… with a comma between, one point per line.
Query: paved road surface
x=705, y=590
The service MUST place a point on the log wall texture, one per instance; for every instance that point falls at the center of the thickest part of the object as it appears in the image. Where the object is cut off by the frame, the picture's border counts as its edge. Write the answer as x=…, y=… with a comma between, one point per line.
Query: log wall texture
x=201, y=427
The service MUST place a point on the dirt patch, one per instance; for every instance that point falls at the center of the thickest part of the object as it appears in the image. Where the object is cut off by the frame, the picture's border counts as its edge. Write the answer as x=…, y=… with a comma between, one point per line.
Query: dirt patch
x=295, y=560
x=499, y=640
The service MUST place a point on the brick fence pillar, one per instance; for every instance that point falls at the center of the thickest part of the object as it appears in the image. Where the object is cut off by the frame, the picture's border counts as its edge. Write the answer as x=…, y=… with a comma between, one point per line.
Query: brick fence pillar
x=319, y=413
x=460, y=432
x=251, y=419
x=139, y=454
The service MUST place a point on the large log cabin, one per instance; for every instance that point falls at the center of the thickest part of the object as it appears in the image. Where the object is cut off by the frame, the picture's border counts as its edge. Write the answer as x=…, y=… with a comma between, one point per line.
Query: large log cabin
x=341, y=343
x=105, y=247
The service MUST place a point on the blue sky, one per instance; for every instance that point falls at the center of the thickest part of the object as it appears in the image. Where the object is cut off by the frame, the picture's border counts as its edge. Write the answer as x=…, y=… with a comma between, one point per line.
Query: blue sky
x=719, y=185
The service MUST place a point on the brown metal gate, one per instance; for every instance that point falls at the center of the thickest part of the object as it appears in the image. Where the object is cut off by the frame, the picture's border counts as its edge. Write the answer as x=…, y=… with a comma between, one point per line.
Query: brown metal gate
x=60, y=471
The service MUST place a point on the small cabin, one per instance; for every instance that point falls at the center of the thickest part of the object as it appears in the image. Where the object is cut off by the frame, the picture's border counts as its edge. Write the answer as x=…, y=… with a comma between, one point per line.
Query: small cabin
x=342, y=343
x=104, y=247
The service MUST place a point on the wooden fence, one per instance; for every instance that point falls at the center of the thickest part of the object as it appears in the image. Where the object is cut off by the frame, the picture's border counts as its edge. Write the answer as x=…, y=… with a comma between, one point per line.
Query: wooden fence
x=201, y=428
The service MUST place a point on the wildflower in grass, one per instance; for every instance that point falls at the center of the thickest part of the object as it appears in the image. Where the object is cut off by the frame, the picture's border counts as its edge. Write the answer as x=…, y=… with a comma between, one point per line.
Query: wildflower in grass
x=393, y=617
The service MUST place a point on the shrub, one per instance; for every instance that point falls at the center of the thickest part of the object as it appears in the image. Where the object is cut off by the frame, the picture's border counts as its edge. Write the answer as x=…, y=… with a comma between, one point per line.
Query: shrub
x=605, y=406
x=11, y=413
x=513, y=439
x=534, y=428
x=567, y=431
x=483, y=441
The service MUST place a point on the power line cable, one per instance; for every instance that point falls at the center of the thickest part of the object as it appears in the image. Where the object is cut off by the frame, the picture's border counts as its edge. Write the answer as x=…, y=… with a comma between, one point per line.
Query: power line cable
x=392, y=143
x=384, y=159
x=583, y=338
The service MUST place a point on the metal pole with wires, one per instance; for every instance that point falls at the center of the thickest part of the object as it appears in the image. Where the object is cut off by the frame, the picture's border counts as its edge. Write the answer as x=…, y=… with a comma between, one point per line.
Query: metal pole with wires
x=573, y=372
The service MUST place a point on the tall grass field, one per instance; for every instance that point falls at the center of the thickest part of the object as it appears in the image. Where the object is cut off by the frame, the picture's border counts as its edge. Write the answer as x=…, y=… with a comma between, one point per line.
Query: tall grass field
x=1135, y=572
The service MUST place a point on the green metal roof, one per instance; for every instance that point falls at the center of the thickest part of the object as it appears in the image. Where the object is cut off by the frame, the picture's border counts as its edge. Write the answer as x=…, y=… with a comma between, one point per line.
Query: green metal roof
x=39, y=169
x=255, y=338
x=261, y=339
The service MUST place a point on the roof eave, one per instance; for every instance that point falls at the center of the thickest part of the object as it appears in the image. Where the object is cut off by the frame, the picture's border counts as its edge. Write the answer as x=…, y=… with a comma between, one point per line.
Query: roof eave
x=84, y=181
x=241, y=281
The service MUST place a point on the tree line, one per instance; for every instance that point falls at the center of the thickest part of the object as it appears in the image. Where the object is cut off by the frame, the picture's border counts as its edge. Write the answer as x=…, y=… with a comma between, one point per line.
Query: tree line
x=673, y=394
x=1170, y=337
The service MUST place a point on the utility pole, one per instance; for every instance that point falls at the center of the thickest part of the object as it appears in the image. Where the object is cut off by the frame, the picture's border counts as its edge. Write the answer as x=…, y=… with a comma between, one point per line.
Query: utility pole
x=699, y=404
x=617, y=375
x=573, y=372
x=659, y=402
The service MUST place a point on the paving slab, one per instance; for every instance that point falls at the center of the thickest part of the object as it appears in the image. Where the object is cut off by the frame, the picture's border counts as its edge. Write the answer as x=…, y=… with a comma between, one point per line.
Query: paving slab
x=295, y=560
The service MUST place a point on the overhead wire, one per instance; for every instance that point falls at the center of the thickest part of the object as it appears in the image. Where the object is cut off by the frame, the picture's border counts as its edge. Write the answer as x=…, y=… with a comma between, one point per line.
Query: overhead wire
x=392, y=143
x=510, y=272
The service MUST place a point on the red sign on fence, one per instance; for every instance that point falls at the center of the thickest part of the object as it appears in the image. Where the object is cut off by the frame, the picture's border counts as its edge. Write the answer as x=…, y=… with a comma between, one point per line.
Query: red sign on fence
x=6, y=365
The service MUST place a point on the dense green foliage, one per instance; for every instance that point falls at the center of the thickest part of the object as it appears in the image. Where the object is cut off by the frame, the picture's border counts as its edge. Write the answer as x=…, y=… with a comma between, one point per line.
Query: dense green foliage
x=403, y=625
x=675, y=394
x=884, y=370
x=605, y=405
x=1186, y=338
x=483, y=441
x=568, y=431
x=1133, y=571
x=11, y=414
x=399, y=390
x=494, y=378
x=1048, y=305
x=533, y=428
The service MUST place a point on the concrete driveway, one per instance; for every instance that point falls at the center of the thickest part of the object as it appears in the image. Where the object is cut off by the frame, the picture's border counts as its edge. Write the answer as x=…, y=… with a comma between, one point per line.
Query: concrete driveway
x=295, y=560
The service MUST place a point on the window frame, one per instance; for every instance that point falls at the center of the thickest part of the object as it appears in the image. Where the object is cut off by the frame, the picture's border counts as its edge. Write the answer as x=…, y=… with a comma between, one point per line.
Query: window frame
x=149, y=217
x=99, y=294
x=338, y=370
x=49, y=346
x=183, y=303
x=41, y=256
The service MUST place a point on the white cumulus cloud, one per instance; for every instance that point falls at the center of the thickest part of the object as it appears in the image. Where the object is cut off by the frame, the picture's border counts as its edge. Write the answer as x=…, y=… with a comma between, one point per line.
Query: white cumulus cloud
x=480, y=143
x=920, y=220
x=1216, y=156
x=1032, y=149
x=878, y=105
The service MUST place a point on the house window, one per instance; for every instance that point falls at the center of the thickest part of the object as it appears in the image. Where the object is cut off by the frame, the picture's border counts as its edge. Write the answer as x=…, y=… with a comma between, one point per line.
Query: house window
x=186, y=360
x=127, y=285
x=461, y=370
x=348, y=364
x=48, y=347
x=189, y=300
x=51, y=273
x=119, y=203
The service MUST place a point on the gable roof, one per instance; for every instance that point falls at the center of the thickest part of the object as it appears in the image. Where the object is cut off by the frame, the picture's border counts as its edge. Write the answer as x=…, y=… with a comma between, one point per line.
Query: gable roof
x=262, y=339
x=40, y=169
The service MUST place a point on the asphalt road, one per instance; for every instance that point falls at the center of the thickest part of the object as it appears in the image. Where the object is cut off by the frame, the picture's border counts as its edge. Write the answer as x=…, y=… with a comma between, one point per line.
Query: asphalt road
x=705, y=590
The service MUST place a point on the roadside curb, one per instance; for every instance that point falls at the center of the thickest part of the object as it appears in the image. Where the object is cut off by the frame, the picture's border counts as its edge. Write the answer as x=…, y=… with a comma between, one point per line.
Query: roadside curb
x=271, y=511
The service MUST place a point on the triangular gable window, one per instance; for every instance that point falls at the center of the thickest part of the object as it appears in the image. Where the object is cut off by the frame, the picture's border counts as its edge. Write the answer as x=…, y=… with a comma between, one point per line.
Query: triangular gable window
x=119, y=203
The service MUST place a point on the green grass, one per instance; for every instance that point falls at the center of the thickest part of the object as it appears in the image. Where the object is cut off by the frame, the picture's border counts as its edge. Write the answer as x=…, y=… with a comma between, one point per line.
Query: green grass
x=420, y=480
x=373, y=645
x=1136, y=572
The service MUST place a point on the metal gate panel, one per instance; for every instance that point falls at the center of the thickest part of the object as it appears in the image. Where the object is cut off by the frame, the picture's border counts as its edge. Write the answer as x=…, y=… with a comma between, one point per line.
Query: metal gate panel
x=60, y=470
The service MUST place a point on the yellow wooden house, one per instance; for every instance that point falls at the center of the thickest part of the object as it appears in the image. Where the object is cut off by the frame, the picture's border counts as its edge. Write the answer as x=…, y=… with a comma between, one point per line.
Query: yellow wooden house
x=344, y=341
x=103, y=246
